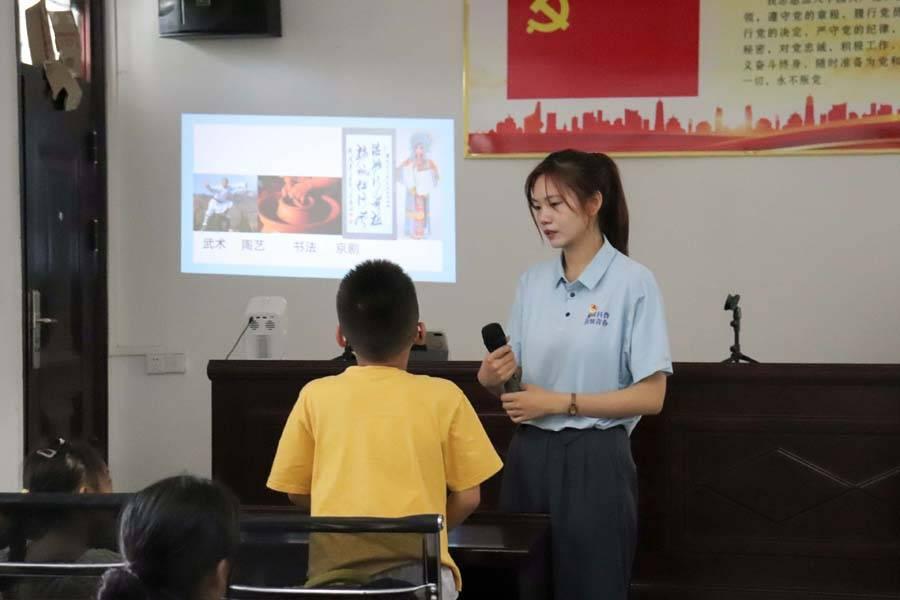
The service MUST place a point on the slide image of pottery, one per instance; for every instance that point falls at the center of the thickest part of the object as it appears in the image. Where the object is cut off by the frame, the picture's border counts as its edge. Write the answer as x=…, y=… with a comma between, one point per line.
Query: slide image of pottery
x=225, y=203
x=291, y=204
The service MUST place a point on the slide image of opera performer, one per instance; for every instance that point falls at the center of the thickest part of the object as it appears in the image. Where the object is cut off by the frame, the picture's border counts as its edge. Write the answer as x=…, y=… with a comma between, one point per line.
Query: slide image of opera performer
x=290, y=204
x=225, y=203
x=419, y=176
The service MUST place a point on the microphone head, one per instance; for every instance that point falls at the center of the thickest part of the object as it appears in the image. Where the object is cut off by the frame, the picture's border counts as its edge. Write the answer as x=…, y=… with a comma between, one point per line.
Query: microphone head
x=493, y=336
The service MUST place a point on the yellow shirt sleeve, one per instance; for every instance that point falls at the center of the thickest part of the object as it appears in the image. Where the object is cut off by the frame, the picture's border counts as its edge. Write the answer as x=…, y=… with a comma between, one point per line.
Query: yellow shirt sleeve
x=469, y=456
x=293, y=465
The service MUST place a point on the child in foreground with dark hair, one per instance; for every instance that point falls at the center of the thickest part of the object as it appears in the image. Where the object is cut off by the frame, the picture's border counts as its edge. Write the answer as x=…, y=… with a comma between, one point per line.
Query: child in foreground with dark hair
x=71, y=467
x=376, y=441
x=177, y=537
x=63, y=536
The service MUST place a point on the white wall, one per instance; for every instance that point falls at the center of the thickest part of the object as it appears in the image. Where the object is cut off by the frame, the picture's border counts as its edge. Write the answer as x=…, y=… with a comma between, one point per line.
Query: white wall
x=808, y=242
x=10, y=261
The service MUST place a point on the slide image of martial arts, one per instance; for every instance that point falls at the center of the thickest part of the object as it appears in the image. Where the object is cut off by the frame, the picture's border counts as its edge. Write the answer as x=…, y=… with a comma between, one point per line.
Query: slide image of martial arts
x=420, y=177
x=291, y=204
x=369, y=204
x=225, y=203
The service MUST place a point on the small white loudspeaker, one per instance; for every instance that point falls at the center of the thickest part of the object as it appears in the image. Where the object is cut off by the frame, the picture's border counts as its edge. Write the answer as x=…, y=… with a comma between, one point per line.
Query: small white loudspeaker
x=267, y=328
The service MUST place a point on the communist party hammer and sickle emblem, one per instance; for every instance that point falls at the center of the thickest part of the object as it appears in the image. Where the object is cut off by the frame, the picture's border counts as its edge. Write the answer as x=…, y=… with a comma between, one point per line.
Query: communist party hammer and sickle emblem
x=558, y=19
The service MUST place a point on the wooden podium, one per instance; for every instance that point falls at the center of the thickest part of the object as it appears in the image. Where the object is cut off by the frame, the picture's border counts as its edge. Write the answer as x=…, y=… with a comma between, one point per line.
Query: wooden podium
x=756, y=481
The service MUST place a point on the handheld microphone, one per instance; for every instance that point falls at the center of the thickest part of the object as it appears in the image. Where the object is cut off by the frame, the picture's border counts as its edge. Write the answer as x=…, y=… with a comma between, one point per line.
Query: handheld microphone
x=494, y=338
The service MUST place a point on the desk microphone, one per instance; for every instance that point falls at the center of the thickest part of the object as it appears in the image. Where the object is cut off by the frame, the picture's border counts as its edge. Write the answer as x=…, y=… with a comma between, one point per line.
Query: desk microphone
x=347, y=356
x=495, y=338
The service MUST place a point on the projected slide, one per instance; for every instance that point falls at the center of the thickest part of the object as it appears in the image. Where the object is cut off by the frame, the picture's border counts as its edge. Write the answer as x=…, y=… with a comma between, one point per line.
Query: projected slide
x=314, y=196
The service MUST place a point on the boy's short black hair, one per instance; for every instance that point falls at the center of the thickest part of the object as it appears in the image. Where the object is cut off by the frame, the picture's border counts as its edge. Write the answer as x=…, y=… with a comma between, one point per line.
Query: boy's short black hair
x=378, y=309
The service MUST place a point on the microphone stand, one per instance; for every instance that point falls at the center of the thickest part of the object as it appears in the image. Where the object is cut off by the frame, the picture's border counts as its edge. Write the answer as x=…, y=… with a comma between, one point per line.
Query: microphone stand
x=736, y=355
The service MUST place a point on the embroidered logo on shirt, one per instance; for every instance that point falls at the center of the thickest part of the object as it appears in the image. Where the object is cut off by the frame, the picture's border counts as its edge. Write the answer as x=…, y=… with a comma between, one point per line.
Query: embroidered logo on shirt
x=596, y=316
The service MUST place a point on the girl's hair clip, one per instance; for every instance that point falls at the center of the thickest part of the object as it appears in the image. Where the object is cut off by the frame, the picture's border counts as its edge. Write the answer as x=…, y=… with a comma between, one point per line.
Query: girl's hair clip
x=50, y=453
x=47, y=453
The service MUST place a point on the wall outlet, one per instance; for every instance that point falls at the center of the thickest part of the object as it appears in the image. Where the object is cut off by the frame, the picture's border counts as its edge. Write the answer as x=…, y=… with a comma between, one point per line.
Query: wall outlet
x=172, y=362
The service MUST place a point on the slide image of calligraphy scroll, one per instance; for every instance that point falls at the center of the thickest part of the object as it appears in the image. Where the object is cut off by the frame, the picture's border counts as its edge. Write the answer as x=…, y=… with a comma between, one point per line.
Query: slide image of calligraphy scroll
x=224, y=202
x=289, y=204
x=369, y=183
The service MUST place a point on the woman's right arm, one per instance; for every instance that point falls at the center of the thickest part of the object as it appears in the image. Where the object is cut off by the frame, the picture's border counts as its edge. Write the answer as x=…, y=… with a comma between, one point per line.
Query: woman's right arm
x=496, y=369
x=498, y=366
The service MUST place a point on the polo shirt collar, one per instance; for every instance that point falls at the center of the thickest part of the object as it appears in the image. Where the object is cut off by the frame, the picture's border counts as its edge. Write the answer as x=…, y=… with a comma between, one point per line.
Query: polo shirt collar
x=595, y=270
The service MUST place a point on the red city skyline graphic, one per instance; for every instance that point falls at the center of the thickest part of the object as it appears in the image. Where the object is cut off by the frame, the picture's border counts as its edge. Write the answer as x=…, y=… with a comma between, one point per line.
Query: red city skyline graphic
x=838, y=128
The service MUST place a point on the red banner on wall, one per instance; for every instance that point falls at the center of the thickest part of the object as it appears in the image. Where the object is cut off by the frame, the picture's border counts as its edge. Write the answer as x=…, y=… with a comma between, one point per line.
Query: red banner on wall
x=603, y=48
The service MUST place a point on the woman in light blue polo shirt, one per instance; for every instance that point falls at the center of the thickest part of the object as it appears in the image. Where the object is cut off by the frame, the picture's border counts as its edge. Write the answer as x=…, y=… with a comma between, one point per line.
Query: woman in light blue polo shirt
x=588, y=331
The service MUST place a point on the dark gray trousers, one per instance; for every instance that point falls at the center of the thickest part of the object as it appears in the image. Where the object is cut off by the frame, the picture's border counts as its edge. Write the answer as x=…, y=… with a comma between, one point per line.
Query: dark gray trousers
x=586, y=481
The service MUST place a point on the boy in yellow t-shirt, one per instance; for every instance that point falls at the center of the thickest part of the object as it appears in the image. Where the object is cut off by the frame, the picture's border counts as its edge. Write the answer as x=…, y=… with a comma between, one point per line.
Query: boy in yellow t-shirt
x=377, y=441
